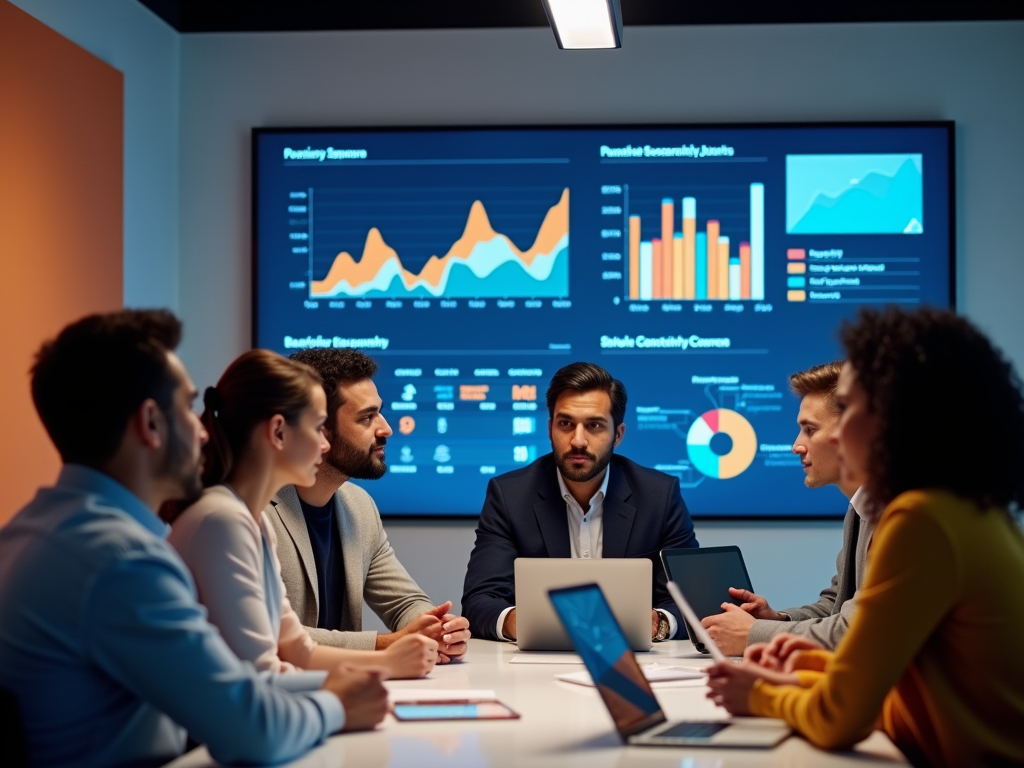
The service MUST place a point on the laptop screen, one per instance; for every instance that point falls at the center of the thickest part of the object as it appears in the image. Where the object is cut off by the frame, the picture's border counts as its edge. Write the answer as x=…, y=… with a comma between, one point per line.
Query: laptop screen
x=600, y=642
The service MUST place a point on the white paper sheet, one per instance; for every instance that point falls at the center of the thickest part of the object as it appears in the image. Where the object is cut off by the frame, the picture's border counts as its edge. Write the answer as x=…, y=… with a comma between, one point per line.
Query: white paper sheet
x=656, y=674
x=535, y=657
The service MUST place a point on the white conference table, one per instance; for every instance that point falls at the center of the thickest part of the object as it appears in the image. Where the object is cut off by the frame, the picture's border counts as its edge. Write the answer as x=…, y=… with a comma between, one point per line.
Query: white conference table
x=562, y=725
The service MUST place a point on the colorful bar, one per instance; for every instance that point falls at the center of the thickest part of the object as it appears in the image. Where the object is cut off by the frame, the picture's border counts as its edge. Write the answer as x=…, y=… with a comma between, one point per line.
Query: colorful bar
x=667, y=277
x=701, y=282
x=645, y=271
x=667, y=218
x=657, y=264
x=796, y=254
x=723, y=268
x=689, y=247
x=677, y=265
x=796, y=268
x=734, y=278
x=713, y=271
x=634, y=257
x=744, y=270
x=757, y=242
x=691, y=265
x=796, y=281
x=796, y=295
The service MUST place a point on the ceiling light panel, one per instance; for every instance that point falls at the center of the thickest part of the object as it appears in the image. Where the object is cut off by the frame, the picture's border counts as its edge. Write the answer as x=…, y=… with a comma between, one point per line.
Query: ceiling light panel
x=585, y=24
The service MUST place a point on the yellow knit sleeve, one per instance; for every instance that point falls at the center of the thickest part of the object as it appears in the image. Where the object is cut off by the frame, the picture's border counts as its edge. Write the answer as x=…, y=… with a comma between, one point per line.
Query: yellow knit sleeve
x=814, y=661
x=911, y=556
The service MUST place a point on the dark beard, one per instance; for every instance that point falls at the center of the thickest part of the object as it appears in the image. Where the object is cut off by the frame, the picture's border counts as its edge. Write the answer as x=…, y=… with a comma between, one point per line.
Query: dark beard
x=179, y=464
x=582, y=475
x=354, y=462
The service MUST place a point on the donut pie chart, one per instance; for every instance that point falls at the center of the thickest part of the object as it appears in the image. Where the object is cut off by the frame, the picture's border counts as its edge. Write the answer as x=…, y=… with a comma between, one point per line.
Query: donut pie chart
x=721, y=443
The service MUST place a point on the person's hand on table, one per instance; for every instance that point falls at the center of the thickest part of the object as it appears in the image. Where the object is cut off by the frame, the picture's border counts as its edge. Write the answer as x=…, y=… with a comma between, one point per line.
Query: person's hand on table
x=755, y=605
x=410, y=657
x=508, y=628
x=655, y=621
x=455, y=638
x=729, y=629
x=730, y=684
x=451, y=632
x=436, y=624
x=425, y=624
x=782, y=653
x=362, y=694
x=755, y=654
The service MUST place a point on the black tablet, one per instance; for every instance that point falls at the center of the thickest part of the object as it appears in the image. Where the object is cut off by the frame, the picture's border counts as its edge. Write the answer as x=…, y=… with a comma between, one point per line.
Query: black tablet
x=705, y=575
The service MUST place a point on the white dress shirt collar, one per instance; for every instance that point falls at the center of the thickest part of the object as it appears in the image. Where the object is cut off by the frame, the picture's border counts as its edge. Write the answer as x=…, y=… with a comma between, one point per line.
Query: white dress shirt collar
x=597, y=498
x=860, y=503
x=586, y=529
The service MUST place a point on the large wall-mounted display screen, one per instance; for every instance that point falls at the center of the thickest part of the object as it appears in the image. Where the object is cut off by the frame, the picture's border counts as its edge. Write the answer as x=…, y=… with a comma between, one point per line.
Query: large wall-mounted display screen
x=700, y=265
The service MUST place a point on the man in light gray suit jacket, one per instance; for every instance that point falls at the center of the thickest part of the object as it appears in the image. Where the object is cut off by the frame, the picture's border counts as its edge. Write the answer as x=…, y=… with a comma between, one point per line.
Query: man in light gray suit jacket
x=332, y=546
x=826, y=620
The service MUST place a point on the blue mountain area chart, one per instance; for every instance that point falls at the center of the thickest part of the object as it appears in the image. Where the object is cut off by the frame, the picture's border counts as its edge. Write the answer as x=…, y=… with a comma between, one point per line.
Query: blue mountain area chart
x=854, y=194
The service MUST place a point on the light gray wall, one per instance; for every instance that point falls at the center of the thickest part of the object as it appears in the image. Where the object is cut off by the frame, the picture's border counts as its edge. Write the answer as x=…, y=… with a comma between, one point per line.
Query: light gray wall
x=130, y=38
x=970, y=73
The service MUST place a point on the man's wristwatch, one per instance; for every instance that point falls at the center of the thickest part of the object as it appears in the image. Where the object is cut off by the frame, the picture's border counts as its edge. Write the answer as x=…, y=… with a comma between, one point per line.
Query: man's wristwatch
x=663, y=628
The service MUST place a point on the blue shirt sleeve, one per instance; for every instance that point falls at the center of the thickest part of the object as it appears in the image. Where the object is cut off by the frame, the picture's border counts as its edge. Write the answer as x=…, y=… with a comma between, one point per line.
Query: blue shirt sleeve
x=147, y=631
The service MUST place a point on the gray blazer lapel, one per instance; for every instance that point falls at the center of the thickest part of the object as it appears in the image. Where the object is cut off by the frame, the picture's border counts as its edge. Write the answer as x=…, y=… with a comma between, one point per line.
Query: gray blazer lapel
x=352, y=553
x=618, y=515
x=848, y=572
x=290, y=510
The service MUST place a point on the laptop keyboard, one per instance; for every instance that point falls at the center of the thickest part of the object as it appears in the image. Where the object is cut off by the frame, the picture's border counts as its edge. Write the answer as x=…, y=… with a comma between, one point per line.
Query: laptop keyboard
x=692, y=730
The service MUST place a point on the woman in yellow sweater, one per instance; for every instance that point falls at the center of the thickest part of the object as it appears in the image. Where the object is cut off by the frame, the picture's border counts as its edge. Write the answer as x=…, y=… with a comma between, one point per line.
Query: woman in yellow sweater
x=932, y=424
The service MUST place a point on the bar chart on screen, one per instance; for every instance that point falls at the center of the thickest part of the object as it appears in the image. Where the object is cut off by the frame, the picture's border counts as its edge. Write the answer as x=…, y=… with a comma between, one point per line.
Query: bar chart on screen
x=703, y=243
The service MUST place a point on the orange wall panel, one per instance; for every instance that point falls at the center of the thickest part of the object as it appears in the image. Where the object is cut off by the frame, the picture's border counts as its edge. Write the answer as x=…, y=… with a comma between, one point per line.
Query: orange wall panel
x=61, y=170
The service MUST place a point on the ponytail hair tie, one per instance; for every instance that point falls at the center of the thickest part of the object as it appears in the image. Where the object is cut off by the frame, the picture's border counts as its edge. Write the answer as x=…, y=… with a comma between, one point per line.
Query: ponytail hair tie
x=213, y=400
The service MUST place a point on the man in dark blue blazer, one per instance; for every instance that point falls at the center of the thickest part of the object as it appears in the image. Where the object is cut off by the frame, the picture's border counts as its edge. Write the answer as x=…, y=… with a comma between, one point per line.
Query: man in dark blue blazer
x=580, y=500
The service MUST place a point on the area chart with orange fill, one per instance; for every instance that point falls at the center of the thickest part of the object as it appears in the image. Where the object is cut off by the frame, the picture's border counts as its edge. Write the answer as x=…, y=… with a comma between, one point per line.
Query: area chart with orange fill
x=482, y=263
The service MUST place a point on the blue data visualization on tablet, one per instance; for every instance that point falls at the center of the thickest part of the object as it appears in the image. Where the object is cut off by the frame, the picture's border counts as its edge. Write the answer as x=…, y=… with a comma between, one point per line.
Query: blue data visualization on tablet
x=700, y=265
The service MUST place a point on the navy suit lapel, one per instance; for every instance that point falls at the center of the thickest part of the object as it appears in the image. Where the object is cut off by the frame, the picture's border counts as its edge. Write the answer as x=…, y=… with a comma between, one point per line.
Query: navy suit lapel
x=552, y=518
x=618, y=514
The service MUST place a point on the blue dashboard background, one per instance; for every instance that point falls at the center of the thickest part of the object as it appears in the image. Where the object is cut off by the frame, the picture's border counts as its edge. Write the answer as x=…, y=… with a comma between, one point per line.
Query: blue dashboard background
x=417, y=187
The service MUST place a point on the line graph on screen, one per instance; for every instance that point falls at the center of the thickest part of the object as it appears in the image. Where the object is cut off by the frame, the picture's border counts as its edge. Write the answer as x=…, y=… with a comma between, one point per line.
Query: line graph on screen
x=482, y=263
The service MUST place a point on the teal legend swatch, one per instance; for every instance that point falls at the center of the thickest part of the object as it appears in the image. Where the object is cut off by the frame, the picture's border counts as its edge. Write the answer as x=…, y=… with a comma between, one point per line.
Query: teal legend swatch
x=854, y=194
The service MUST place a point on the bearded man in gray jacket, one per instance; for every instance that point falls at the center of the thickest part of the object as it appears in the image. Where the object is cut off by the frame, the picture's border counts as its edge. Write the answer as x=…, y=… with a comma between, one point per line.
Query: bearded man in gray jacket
x=826, y=620
x=332, y=546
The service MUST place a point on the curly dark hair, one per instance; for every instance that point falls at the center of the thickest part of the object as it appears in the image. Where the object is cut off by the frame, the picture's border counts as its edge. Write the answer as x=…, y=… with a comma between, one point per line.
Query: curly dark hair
x=337, y=367
x=950, y=409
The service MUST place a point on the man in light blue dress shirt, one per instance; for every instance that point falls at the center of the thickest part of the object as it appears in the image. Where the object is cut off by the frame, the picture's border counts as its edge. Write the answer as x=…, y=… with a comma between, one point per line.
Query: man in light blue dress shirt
x=102, y=642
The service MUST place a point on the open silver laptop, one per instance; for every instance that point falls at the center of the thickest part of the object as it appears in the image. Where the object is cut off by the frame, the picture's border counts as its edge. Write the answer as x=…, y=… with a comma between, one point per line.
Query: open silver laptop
x=626, y=583
x=632, y=704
